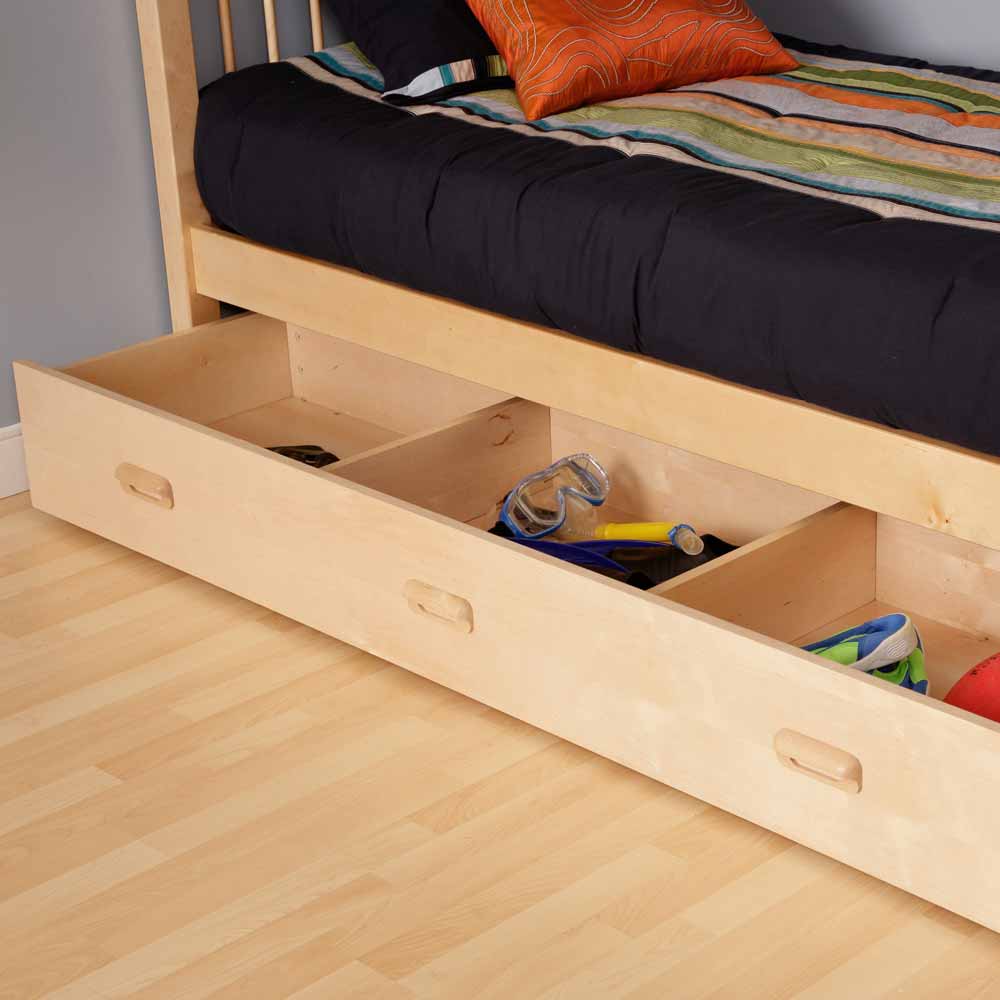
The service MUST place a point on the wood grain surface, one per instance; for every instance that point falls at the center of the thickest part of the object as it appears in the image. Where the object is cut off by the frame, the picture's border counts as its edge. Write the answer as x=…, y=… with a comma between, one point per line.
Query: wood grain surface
x=199, y=798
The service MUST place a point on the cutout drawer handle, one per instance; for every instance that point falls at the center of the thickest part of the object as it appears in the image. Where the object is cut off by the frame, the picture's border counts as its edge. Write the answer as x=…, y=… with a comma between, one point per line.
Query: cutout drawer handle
x=145, y=485
x=439, y=605
x=819, y=761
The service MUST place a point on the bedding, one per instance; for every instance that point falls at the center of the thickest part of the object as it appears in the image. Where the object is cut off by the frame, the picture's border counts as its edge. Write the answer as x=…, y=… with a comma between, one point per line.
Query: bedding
x=829, y=235
x=565, y=53
x=426, y=51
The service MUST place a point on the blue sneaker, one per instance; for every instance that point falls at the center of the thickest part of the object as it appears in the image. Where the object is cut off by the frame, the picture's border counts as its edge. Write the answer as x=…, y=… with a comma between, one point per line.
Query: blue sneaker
x=888, y=647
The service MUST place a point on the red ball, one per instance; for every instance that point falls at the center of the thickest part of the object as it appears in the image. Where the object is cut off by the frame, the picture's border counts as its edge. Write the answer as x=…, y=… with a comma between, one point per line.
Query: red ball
x=979, y=690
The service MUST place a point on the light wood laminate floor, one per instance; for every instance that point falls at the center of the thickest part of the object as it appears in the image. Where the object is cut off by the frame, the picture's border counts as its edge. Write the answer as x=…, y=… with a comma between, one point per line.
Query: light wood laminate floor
x=199, y=798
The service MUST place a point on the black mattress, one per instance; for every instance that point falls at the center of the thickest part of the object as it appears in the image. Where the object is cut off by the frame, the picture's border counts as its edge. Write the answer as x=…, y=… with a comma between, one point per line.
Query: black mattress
x=892, y=320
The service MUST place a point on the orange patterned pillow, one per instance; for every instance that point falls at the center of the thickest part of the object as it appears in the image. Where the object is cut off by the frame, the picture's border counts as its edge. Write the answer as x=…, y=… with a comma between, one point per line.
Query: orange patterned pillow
x=564, y=53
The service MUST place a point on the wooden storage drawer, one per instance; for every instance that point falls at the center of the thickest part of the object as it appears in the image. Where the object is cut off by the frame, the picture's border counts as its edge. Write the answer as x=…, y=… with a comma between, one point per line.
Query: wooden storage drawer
x=698, y=684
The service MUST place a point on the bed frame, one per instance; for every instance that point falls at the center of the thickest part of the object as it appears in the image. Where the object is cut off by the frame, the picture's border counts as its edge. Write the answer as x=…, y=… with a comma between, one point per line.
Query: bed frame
x=916, y=479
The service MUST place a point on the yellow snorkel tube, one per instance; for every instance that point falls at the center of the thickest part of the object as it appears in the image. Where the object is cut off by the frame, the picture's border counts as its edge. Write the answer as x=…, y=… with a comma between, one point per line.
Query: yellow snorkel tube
x=682, y=536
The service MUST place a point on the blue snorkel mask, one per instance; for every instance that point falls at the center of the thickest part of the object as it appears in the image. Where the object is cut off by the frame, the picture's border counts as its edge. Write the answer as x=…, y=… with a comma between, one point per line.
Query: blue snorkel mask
x=540, y=503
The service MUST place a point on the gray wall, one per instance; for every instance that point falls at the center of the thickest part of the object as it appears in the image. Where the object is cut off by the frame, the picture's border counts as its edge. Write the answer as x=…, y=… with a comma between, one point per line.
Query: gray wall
x=81, y=263
x=966, y=32
x=81, y=266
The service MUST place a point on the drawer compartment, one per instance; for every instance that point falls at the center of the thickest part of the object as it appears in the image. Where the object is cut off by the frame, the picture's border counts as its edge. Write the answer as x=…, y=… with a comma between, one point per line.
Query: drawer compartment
x=785, y=586
x=699, y=684
x=465, y=469
x=256, y=380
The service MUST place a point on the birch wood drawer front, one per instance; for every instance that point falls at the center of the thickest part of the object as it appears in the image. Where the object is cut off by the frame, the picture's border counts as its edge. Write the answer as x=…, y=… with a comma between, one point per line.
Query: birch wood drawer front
x=698, y=684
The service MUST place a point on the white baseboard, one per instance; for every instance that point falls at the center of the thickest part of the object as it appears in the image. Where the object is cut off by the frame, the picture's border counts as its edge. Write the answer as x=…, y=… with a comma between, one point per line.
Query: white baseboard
x=13, y=474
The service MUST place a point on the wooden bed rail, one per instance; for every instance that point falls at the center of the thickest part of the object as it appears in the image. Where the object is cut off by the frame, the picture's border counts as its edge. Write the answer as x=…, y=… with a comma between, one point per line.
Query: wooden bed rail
x=920, y=480
x=172, y=94
x=270, y=27
x=226, y=30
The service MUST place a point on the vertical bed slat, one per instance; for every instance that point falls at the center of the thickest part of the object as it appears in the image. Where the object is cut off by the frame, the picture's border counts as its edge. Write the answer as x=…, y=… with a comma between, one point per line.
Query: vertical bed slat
x=317, y=24
x=271, y=24
x=226, y=29
x=172, y=96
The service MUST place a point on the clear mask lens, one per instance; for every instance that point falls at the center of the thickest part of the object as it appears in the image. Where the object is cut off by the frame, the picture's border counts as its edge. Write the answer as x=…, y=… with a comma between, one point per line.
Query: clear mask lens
x=537, y=505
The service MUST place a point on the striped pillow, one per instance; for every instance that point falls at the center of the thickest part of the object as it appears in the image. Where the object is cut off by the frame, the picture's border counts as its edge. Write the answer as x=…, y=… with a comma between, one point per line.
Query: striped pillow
x=426, y=51
x=566, y=53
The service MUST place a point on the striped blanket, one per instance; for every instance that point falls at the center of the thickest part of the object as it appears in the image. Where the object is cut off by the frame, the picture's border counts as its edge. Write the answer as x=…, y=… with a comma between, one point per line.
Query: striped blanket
x=897, y=137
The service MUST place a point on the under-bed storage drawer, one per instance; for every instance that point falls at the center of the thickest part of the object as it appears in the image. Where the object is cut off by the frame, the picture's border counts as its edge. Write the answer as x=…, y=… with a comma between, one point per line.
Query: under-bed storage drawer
x=160, y=448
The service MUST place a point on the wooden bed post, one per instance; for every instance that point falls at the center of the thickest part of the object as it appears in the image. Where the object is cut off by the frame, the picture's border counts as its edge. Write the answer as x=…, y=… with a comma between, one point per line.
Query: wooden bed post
x=172, y=95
